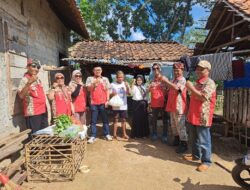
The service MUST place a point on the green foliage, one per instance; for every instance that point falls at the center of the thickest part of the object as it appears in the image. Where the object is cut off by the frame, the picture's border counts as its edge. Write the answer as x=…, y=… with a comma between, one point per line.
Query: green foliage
x=62, y=122
x=156, y=19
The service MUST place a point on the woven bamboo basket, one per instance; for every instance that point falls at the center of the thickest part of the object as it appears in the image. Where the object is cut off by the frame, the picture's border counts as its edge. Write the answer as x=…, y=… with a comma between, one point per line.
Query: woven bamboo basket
x=52, y=158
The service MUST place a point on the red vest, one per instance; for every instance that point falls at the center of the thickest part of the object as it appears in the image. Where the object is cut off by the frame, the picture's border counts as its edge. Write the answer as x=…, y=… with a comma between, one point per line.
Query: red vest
x=35, y=102
x=80, y=101
x=99, y=95
x=62, y=102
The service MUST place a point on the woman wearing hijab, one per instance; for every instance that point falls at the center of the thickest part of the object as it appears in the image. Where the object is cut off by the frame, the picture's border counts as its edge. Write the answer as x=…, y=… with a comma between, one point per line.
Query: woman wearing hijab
x=60, y=95
x=140, y=127
x=78, y=96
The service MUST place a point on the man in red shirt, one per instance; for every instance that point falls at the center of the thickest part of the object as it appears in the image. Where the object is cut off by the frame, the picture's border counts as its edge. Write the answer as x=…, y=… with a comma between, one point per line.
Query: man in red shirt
x=200, y=115
x=176, y=106
x=99, y=87
x=31, y=92
x=158, y=91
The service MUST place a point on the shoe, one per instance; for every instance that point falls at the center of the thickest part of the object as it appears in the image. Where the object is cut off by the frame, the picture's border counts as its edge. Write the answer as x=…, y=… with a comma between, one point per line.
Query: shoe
x=176, y=141
x=190, y=158
x=164, y=140
x=202, y=168
x=154, y=137
x=182, y=148
x=91, y=140
x=108, y=138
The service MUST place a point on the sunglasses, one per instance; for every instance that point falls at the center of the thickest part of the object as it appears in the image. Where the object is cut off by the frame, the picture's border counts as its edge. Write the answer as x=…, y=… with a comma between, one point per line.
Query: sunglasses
x=156, y=68
x=59, y=77
x=78, y=76
x=33, y=65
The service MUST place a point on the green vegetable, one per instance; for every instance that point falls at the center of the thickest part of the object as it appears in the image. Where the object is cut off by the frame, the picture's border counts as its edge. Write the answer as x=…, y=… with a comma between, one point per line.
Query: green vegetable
x=62, y=122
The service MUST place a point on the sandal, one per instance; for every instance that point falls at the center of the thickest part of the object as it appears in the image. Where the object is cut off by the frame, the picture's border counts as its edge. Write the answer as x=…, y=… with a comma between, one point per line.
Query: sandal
x=125, y=137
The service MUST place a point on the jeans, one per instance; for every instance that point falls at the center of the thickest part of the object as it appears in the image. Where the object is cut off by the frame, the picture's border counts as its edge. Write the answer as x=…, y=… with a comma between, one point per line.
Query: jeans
x=200, y=138
x=95, y=110
x=165, y=119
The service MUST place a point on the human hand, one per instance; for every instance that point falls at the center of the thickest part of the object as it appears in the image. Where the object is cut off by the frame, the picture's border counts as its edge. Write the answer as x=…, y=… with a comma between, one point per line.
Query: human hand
x=54, y=85
x=32, y=79
x=107, y=104
x=189, y=84
x=133, y=82
x=164, y=79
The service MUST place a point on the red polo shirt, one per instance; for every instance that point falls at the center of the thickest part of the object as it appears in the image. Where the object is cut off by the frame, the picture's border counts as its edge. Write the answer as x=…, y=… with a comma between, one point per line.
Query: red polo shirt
x=34, y=103
x=177, y=100
x=201, y=113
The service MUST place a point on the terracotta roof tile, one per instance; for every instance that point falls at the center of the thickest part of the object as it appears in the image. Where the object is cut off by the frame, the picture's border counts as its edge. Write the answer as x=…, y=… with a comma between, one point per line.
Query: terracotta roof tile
x=242, y=5
x=135, y=51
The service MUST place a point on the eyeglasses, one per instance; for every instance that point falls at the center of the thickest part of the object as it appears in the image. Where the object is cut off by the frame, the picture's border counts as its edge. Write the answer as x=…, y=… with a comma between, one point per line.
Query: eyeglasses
x=59, y=78
x=78, y=76
x=156, y=68
x=34, y=65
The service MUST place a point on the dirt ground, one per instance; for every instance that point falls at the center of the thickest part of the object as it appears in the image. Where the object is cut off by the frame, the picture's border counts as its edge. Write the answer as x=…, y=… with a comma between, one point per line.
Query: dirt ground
x=145, y=165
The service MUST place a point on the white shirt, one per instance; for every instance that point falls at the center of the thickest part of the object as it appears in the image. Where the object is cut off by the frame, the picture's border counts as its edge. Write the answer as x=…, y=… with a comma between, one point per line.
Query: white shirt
x=136, y=93
x=120, y=89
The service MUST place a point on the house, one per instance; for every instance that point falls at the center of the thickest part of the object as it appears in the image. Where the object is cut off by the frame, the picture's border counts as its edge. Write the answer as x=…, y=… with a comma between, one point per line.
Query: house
x=131, y=57
x=31, y=29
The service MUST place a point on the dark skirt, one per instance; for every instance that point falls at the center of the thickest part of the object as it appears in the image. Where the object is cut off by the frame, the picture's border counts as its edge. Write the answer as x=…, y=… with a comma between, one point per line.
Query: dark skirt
x=140, y=126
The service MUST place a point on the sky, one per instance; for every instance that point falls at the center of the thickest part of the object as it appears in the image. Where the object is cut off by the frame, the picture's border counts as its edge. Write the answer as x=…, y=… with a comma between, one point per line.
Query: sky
x=198, y=13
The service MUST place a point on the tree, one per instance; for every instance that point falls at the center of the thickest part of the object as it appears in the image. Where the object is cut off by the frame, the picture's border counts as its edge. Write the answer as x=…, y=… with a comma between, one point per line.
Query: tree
x=156, y=19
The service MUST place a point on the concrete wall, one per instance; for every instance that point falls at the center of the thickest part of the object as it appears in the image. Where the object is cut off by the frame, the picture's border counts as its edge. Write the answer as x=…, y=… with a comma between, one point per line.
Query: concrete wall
x=28, y=28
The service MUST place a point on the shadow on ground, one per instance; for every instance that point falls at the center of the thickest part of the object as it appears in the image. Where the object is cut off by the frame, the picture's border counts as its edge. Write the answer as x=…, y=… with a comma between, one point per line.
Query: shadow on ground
x=188, y=185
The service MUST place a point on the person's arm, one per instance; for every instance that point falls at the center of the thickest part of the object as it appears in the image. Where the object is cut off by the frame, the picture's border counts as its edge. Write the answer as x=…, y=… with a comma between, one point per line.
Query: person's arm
x=108, y=87
x=24, y=86
x=128, y=89
x=51, y=94
x=200, y=96
x=89, y=84
x=170, y=84
x=76, y=91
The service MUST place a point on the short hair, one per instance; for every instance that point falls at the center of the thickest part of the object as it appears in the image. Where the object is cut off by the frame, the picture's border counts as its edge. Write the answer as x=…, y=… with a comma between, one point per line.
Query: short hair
x=119, y=73
x=96, y=67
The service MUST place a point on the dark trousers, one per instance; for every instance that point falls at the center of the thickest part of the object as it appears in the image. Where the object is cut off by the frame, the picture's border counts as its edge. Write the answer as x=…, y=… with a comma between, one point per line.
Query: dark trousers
x=37, y=122
x=95, y=111
x=165, y=120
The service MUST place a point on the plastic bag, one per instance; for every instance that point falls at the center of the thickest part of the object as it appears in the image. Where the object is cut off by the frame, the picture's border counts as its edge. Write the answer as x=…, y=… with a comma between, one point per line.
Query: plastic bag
x=116, y=101
x=71, y=132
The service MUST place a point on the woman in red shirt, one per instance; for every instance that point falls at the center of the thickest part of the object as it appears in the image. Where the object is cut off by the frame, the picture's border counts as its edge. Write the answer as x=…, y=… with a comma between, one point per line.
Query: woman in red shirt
x=60, y=95
x=79, y=96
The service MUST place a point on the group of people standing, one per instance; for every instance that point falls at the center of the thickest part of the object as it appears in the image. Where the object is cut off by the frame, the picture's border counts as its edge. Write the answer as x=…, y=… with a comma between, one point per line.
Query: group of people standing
x=162, y=96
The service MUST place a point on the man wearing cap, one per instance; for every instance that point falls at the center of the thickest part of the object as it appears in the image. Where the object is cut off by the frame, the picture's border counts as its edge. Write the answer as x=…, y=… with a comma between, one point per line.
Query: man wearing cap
x=200, y=115
x=31, y=92
x=98, y=87
x=158, y=92
x=176, y=106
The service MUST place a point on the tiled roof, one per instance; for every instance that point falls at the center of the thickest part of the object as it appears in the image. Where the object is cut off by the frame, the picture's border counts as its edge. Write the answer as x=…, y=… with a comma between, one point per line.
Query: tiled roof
x=70, y=15
x=241, y=5
x=129, y=51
